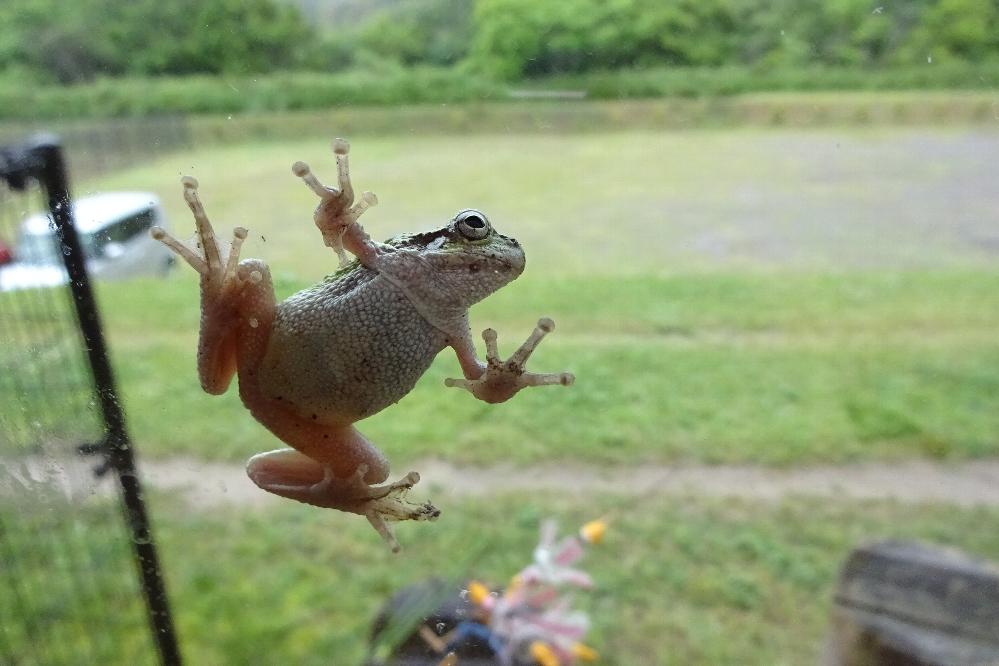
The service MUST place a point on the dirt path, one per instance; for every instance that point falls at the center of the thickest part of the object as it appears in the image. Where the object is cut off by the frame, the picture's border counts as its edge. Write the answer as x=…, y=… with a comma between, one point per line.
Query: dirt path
x=964, y=484
x=210, y=485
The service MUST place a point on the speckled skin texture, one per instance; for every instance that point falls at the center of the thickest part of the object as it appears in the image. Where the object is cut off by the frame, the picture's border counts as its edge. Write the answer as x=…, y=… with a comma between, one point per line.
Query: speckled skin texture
x=342, y=350
x=346, y=349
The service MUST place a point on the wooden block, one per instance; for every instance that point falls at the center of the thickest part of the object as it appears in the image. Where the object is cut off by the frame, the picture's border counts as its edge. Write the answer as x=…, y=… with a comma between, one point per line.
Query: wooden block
x=904, y=602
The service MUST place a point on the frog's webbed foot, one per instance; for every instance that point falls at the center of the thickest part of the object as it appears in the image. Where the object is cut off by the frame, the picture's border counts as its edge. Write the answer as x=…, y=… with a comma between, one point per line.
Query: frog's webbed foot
x=379, y=504
x=336, y=211
x=291, y=474
x=384, y=503
x=216, y=271
x=502, y=379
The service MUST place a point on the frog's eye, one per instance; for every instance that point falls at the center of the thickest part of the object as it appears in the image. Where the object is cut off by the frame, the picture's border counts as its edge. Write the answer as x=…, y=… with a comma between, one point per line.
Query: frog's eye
x=472, y=224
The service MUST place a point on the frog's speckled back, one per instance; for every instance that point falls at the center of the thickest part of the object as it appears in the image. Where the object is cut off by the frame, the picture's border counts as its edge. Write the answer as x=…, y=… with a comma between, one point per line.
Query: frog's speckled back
x=351, y=346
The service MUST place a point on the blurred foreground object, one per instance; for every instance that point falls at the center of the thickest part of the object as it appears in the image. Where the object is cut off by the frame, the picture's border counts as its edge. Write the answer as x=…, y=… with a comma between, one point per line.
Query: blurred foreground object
x=905, y=602
x=531, y=622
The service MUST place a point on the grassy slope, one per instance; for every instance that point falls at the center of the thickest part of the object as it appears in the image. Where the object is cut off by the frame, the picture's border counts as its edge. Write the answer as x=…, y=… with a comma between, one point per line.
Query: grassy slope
x=721, y=296
x=692, y=582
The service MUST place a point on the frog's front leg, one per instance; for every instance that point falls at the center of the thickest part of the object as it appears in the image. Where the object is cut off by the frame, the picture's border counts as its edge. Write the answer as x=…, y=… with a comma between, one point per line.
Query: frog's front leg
x=500, y=380
x=337, y=214
x=237, y=299
x=292, y=474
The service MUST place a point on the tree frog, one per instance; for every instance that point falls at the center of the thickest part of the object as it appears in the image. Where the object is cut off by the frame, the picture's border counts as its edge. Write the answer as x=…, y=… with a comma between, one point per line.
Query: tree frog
x=335, y=353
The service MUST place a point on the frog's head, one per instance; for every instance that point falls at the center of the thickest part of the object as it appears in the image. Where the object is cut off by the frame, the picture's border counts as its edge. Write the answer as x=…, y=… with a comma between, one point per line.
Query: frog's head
x=470, y=259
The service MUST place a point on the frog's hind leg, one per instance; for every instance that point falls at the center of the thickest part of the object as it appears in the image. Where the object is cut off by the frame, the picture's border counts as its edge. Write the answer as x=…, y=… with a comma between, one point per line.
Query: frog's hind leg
x=230, y=292
x=292, y=474
x=337, y=214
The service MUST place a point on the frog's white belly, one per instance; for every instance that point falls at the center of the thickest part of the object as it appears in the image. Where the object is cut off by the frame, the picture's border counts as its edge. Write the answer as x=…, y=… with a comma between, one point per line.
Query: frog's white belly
x=339, y=356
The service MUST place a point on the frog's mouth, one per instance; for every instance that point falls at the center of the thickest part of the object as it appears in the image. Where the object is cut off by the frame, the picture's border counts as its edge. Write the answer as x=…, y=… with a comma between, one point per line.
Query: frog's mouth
x=511, y=256
x=497, y=253
x=509, y=265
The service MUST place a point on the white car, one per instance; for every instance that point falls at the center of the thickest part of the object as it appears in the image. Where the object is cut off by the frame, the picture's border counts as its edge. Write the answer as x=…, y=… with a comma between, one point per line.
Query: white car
x=114, y=232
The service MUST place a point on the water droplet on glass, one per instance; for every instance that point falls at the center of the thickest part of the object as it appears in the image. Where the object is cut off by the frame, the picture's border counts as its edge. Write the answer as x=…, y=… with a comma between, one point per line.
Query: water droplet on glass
x=440, y=628
x=253, y=322
x=464, y=595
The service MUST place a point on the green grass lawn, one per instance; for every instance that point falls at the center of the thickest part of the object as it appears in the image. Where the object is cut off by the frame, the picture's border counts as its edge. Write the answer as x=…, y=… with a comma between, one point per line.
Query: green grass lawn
x=777, y=297
x=680, y=581
x=705, y=367
x=690, y=582
x=624, y=202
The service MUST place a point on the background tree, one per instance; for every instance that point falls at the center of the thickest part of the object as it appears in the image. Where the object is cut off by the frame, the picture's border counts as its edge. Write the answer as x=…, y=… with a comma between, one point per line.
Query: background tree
x=508, y=39
x=954, y=30
x=77, y=41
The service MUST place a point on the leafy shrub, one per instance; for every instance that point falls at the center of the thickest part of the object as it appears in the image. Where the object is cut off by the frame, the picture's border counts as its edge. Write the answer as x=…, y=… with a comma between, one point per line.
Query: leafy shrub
x=514, y=39
x=79, y=41
x=239, y=94
x=394, y=85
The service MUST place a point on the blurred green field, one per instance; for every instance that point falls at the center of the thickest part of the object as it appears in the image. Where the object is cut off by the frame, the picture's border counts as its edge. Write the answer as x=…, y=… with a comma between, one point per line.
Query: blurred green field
x=678, y=582
x=394, y=87
x=633, y=202
x=710, y=367
x=741, y=296
x=691, y=582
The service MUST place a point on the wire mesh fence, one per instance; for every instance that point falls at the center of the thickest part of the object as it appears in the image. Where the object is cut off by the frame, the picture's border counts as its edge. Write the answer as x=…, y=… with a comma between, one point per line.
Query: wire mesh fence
x=68, y=532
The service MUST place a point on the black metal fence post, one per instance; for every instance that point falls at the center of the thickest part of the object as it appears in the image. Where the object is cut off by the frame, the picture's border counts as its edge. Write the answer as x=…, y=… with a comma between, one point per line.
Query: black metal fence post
x=46, y=154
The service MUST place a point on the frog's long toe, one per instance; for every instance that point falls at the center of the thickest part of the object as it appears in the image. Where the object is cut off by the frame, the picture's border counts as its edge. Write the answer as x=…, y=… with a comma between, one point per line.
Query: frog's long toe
x=302, y=170
x=187, y=254
x=344, y=196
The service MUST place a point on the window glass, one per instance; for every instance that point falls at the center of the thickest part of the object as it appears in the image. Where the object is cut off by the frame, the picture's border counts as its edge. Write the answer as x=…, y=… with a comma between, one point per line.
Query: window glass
x=762, y=235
